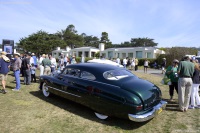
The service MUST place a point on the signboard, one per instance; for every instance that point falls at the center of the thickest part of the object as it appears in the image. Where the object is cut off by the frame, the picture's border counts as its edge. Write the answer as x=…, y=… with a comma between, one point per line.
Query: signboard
x=8, y=47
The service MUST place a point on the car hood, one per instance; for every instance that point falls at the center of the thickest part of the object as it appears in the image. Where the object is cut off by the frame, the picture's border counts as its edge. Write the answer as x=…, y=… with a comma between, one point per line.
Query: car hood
x=149, y=93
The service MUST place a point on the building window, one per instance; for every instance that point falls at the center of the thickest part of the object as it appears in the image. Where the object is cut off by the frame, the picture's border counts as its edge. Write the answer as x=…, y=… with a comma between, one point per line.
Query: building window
x=130, y=55
x=149, y=55
x=79, y=54
x=86, y=54
x=138, y=54
x=123, y=55
x=93, y=54
x=110, y=54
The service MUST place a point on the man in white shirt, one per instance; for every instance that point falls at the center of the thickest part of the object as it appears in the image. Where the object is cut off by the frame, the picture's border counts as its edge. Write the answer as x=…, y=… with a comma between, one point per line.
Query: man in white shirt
x=53, y=63
x=41, y=66
x=125, y=62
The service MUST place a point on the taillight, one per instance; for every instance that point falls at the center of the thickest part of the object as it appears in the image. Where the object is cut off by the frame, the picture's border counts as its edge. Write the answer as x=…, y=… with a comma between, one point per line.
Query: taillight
x=139, y=107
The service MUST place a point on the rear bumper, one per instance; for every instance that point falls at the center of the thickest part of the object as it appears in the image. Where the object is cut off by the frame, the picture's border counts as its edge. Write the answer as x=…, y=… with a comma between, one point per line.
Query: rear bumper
x=147, y=116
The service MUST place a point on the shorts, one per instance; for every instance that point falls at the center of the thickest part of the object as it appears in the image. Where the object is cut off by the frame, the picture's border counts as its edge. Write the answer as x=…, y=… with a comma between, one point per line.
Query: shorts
x=145, y=66
x=3, y=77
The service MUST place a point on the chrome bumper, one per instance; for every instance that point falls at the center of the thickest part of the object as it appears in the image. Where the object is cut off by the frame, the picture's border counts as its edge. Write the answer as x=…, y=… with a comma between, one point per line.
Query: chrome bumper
x=145, y=117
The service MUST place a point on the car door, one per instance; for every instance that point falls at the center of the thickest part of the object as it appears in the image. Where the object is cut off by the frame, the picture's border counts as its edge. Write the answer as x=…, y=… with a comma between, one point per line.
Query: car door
x=69, y=84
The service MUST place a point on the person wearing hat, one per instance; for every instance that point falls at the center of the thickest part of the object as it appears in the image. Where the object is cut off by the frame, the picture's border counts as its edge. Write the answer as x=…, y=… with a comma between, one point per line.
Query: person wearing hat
x=4, y=69
x=185, y=71
x=34, y=58
x=73, y=61
x=16, y=69
x=172, y=74
x=163, y=65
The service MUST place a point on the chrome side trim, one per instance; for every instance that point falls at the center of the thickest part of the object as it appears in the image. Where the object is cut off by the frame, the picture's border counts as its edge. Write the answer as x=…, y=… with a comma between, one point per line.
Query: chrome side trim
x=64, y=92
x=149, y=115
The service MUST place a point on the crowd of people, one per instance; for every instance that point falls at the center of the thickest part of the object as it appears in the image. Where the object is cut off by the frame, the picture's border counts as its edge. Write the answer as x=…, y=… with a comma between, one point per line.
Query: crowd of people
x=26, y=64
x=184, y=76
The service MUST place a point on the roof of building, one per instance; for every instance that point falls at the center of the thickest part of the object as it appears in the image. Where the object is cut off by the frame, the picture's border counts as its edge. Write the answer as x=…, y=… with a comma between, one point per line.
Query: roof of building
x=81, y=48
x=128, y=48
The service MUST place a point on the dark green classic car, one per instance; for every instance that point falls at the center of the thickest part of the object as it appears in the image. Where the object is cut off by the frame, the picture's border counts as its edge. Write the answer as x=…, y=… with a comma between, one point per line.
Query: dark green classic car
x=106, y=89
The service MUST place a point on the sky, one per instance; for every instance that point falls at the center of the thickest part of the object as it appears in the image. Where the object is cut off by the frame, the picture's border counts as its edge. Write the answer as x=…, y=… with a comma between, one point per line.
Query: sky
x=169, y=22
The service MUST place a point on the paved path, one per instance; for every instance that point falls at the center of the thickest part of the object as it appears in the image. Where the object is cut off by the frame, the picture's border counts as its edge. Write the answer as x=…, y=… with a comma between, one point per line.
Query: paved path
x=152, y=71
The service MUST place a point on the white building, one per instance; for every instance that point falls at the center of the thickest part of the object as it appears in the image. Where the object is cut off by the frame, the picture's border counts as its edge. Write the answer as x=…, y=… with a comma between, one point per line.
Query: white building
x=56, y=53
x=84, y=51
x=138, y=52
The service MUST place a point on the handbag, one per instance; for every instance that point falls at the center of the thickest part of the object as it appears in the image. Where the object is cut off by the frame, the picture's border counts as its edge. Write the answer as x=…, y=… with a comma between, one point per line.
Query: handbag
x=166, y=80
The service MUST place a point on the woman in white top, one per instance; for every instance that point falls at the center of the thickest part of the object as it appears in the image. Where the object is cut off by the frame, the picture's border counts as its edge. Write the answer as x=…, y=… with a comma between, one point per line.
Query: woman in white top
x=146, y=64
x=125, y=62
x=41, y=66
x=133, y=64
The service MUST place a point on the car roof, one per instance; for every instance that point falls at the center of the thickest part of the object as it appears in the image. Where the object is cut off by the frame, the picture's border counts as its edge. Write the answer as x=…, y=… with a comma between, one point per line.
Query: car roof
x=95, y=68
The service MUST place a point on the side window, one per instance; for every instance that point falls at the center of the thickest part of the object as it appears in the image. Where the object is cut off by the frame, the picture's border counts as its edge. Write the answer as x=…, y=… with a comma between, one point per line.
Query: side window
x=72, y=72
x=87, y=75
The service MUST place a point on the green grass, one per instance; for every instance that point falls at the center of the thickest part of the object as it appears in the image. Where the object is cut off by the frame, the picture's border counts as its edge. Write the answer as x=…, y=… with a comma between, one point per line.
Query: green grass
x=28, y=111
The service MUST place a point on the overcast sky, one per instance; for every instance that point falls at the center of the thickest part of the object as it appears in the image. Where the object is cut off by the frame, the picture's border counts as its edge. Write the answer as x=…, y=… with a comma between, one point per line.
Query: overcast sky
x=169, y=22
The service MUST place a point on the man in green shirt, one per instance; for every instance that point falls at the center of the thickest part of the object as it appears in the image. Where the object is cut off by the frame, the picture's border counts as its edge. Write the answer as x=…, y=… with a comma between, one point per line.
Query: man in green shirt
x=46, y=63
x=185, y=71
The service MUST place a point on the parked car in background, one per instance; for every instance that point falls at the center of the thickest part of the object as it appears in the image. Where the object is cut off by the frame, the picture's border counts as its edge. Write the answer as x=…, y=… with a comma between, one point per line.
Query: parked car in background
x=106, y=89
x=104, y=61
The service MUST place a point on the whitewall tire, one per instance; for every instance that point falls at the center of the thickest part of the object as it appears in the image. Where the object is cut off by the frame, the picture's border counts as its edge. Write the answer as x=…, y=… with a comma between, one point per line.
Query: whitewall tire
x=101, y=116
x=45, y=90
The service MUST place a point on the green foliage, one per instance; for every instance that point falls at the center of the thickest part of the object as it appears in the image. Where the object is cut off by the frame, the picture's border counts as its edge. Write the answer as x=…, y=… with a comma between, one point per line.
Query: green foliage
x=70, y=37
x=105, y=39
x=92, y=41
x=78, y=59
x=138, y=42
x=40, y=42
x=97, y=54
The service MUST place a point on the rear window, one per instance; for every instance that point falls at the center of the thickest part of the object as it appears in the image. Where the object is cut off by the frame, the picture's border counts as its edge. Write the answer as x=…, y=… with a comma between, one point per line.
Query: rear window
x=117, y=74
x=87, y=75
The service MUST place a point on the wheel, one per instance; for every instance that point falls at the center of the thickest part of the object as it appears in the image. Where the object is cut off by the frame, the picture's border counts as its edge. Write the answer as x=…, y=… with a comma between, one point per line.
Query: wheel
x=101, y=116
x=45, y=89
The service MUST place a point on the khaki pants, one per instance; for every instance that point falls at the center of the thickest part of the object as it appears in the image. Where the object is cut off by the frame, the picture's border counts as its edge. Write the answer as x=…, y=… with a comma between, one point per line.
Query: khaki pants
x=184, y=91
x=47, y=71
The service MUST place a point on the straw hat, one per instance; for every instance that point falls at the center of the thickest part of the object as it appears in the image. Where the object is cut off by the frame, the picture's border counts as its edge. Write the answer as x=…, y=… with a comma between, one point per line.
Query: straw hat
x=17, y=54
x=33, y=54
x=3, y=53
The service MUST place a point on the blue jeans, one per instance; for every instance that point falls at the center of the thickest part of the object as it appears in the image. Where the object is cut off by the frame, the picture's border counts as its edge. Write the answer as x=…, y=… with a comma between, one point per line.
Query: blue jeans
x=17, y=78
x=27, y=76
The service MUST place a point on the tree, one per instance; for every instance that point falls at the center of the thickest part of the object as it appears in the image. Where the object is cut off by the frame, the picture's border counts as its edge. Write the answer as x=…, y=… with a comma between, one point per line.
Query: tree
x=92, y=41
x=105, y=40
x=40, y=42
x=143, y=42
x=70, y=36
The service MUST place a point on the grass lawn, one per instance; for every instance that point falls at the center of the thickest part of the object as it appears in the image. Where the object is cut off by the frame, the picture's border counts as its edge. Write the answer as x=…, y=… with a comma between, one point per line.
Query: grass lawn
x=28, y=111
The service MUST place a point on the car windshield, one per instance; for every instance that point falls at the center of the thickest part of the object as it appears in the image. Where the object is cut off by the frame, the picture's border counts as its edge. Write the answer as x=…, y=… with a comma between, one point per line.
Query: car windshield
x=117, y=74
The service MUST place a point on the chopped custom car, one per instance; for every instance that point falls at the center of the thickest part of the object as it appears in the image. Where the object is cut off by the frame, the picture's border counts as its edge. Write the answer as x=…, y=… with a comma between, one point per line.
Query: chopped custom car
x=106, y=89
